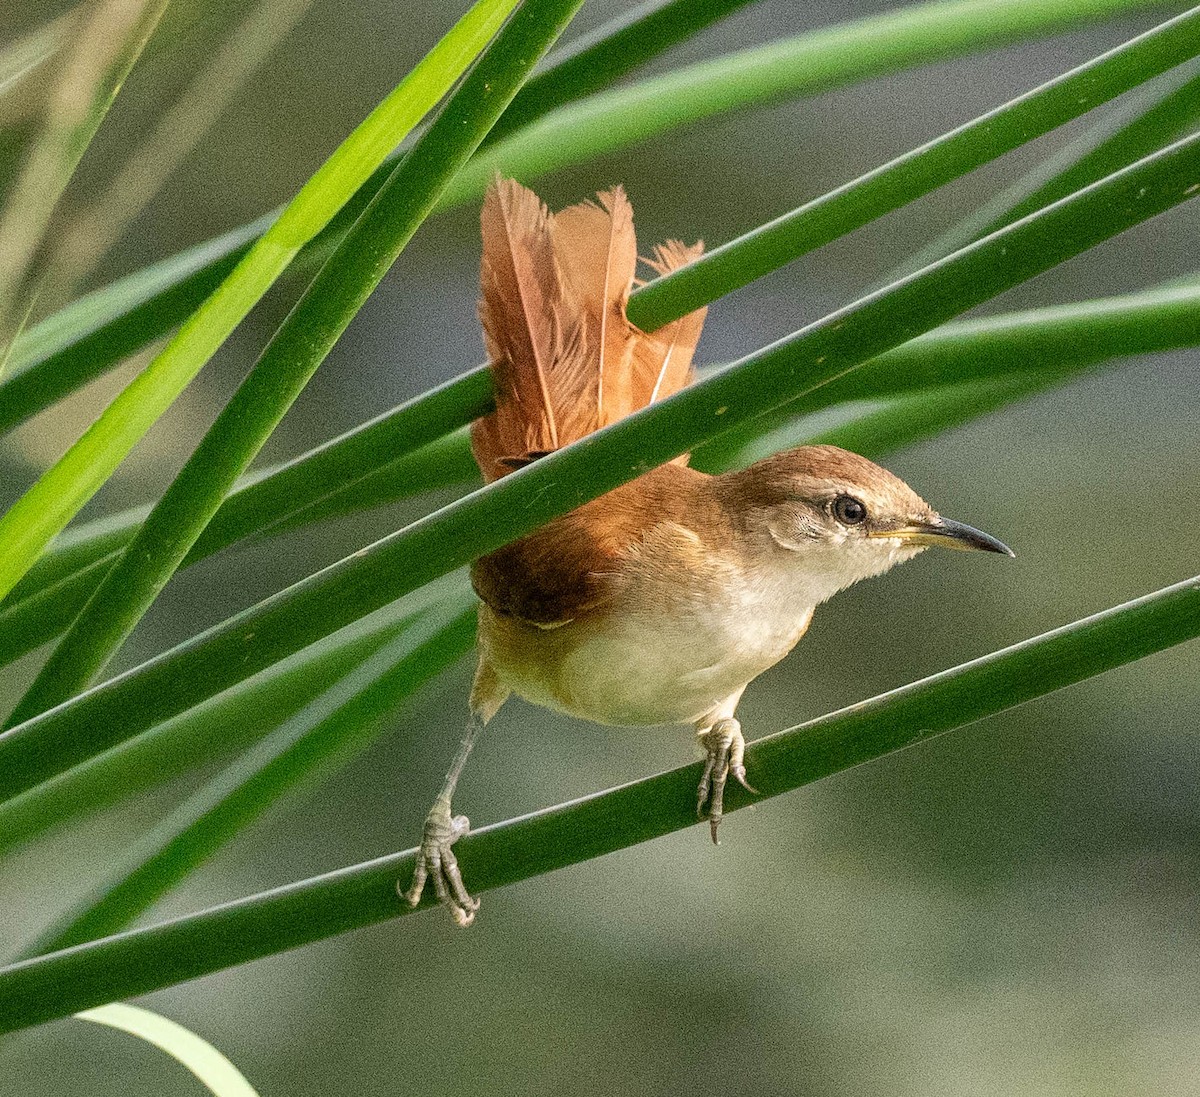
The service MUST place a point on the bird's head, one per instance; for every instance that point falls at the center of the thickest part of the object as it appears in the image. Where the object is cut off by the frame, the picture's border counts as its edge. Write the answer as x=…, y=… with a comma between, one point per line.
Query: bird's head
x=841, y=518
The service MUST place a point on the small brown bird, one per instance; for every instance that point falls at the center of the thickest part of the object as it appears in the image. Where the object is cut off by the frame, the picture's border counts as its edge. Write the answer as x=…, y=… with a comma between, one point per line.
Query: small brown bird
x=660, y=601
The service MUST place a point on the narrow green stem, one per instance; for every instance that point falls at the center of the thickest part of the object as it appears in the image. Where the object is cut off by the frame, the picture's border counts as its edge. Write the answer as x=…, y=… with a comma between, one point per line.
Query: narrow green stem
x=595, y=60
x=916, y=173
x=805, y=65
x=561, y=481
x=31, y=523
x=876, y=427
x=295, y=351
x=147, y=959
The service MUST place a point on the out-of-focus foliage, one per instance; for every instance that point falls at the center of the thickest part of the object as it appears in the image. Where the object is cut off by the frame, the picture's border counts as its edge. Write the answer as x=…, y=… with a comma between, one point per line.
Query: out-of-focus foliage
x=1006, y=909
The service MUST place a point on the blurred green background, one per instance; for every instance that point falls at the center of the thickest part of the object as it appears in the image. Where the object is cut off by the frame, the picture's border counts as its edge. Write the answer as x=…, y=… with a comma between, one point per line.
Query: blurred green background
x=1010, y=909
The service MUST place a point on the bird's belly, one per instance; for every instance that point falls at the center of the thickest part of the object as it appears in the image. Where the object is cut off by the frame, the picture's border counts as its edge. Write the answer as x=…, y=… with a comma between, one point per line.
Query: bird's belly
x=633, y=670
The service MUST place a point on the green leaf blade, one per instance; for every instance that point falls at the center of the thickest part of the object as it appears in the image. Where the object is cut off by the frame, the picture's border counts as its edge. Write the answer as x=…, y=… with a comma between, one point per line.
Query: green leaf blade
x=52, y=986
x=596, y=60
x=294, y=353
x=916, y=173
x=45, y=509
x=559, y=482
x=836, y=56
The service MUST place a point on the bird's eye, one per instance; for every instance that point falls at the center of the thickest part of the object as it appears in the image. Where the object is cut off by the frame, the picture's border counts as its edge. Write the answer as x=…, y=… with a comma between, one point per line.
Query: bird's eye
x=849, y=511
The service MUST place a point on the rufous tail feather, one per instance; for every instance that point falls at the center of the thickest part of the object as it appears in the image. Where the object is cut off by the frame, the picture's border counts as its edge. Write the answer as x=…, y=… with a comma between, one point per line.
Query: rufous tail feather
x=565, y=361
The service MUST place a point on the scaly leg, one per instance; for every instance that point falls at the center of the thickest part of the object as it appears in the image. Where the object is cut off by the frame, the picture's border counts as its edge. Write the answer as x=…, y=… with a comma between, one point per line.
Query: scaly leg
x=725, y=749
x=435, y=859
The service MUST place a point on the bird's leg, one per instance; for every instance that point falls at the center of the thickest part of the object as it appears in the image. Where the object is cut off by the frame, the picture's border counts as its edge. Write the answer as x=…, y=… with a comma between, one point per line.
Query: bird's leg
x=435, y=858
x=725, y=749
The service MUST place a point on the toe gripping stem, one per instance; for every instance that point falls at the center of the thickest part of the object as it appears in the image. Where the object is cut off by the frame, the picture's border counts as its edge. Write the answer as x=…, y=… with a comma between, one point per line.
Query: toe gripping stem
x=435, y=858
x=436, y=862
x=725, y=750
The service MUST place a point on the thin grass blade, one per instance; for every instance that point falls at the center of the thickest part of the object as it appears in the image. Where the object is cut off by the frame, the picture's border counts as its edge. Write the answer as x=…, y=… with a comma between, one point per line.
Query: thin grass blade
x=805, y=65
x=295, y=351
x=875, y=427
x=361, y=469
x=147, y=959
x=561, y=481
x=108, y=41
x=57, y=497
x=595, y=60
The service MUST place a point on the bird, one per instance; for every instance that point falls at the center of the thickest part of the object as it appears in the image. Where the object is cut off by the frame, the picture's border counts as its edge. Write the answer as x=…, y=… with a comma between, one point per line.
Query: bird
x=660, y=601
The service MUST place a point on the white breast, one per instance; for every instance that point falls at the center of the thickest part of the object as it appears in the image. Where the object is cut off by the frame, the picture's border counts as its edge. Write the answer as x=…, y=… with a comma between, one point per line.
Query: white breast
x=665, y=652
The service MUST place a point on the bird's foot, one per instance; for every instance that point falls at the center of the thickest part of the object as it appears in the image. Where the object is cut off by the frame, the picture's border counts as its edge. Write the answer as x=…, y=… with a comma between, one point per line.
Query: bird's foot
x=725, y=747
x=436, y=861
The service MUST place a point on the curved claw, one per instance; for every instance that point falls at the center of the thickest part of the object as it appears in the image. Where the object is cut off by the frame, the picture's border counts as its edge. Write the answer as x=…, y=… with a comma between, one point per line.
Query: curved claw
x=436, y=862
x=725, y=748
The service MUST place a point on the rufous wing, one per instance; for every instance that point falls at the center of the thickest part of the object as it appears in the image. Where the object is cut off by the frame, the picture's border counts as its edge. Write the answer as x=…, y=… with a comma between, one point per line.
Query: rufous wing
x=574, y=564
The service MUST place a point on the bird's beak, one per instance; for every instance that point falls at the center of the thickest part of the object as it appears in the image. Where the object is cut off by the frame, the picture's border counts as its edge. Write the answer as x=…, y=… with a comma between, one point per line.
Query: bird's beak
x=949, y=534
